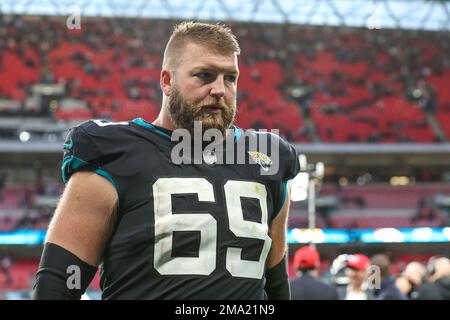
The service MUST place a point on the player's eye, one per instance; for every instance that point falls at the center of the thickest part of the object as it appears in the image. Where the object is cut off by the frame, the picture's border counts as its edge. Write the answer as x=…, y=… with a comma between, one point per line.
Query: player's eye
x=230, y=78
x=205, y=76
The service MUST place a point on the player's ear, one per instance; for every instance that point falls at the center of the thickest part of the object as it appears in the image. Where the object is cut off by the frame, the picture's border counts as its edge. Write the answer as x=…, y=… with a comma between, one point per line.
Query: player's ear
x=165, y=81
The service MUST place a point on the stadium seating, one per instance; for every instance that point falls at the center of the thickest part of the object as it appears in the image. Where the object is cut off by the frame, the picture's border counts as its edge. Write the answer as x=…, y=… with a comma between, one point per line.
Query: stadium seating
x=358, y=87
x=376, y=206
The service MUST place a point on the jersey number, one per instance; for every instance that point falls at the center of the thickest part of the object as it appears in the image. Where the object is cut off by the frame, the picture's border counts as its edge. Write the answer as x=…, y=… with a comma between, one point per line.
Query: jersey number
x=166, y=222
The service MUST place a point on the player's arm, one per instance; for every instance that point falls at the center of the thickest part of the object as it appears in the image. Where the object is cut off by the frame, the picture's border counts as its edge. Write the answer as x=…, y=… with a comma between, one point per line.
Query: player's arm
x=78, y=232
x=277, y=281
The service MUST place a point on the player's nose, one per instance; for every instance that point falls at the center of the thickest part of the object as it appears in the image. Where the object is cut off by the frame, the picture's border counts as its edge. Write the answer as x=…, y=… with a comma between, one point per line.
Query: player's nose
x=218, y=87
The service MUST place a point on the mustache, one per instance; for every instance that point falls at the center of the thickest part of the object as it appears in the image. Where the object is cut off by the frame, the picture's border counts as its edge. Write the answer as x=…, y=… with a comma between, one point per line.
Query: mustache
x=212, y=105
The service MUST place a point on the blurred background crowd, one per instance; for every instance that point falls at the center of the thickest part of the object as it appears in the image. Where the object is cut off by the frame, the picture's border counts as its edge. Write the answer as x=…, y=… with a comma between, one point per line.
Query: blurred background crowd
x=358, y=277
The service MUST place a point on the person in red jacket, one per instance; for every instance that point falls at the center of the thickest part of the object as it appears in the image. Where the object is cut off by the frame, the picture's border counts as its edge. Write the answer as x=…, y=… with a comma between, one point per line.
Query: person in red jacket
x=308, y=285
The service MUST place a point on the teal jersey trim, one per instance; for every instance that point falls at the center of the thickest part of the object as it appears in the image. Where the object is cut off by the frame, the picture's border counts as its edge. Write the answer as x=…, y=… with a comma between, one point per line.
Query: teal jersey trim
x=283, y=199
x=69, y=145
x=284, y=193
x=145, y=124
x=141, y=122
x=108, y=177
x=237, y=133
x=72, y=164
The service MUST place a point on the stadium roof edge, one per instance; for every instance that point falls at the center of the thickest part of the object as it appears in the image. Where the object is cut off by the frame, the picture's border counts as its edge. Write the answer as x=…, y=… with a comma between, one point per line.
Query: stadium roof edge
x=399, y=14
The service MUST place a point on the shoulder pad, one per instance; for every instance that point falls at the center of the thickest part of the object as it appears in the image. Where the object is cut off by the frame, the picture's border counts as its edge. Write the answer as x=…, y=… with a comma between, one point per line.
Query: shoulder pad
x=88, y=145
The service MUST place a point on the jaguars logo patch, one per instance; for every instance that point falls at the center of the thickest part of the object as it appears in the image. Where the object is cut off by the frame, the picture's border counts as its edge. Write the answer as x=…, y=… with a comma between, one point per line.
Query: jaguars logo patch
x=262, y=159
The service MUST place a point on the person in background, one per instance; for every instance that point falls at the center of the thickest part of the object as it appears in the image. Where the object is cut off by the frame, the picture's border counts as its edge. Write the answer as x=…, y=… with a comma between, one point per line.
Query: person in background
x=388, y=289
x=411, y=278
x=308, y=285
x=5, y=270
x=357, y=267
x=438, y=286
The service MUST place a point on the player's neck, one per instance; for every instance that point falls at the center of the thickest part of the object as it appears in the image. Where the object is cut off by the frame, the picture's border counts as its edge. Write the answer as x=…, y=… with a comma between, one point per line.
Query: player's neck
x=163, y=121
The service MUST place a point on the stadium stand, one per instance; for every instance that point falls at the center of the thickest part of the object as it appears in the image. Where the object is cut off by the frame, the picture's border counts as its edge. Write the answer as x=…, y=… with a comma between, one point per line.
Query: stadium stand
x=110, y=69
x=377, y=206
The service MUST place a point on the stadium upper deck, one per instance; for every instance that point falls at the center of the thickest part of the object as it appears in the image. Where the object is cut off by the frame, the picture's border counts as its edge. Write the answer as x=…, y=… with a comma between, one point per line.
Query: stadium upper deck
x=314, y=84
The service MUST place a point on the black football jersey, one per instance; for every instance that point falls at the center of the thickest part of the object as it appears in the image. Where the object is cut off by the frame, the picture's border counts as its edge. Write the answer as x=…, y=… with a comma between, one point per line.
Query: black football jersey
x=184, y=231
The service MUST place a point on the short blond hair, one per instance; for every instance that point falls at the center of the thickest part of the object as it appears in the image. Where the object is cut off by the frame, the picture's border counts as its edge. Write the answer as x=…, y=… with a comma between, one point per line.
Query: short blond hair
x=214, y=36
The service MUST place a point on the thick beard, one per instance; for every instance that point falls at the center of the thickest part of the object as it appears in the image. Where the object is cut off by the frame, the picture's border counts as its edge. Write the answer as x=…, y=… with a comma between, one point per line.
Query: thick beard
x=183, y=114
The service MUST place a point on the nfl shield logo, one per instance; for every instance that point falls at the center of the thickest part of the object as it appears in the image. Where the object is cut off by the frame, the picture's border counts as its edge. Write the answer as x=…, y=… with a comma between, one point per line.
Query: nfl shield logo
x=209, y=156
